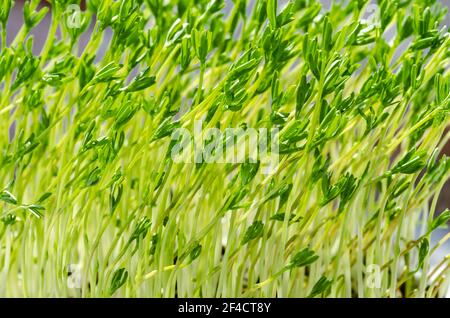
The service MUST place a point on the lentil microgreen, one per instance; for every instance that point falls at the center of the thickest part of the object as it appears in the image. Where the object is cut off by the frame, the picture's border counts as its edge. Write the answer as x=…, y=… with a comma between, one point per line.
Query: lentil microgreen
x=88, y=130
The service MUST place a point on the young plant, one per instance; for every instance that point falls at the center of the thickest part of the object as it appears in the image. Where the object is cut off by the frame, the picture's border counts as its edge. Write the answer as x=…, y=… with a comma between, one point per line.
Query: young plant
x=89, y=181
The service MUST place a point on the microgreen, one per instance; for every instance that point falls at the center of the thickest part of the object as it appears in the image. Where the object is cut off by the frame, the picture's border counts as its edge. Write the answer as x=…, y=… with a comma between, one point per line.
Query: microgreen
x=88, y=131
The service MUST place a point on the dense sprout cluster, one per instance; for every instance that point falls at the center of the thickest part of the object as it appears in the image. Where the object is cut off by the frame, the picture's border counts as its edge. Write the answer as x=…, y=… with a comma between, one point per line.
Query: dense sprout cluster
x=93, y=204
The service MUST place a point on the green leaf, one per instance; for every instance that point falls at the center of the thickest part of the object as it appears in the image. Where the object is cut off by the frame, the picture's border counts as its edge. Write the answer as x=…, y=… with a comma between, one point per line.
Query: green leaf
x=322, y=287
x=36, y=209
x=412, y=162
x=303, y=258
x=106, y=73
x=201, y=41
x=154, y=242
x=248, y=171
x=253, y=232
x=235, y=198
x=242, y=68
x=9, y=219
x=424, y=249
x=400, y=187
x=348, y=188
x=422, y=44
x=327, y=34
x=439, y=221
x=165, y=129
x=5, y=10
x=141, y=229
x=176, y=32
x=125, y=113
x=330, y=192
x=283, y=191
x=27, y=68
x=286, y=15
x=195, y=252
x=185, y=55
x=119, y=278
x=93, y=177
x=8, y=197
x=282, y=216
x=141, y=82
x=296, y=132
x=115, y=195
x=44, y=197
x=438, y=171
x=53, y=79
x=304, y=92
x=272, y=12
x=32, y=18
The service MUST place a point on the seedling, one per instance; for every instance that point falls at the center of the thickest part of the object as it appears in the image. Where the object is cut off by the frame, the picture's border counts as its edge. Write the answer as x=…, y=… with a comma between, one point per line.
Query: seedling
x=88, y=177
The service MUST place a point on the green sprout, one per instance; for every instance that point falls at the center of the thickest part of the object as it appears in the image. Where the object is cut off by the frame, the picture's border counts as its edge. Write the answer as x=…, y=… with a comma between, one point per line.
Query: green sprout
x=88, y=132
